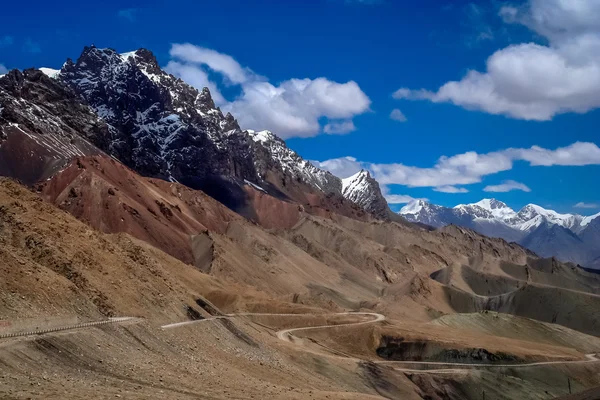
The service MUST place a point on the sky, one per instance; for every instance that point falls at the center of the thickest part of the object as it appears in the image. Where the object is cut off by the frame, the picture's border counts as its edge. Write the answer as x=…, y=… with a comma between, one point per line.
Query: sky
x=450, y=101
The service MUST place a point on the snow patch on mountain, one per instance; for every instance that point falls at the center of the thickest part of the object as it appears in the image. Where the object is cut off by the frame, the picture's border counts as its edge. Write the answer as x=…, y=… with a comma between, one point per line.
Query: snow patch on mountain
x=533, y=226
x=527, y=219
x=49, y=72
x=290, y=162
x=488, y=209
x=162, y=126
x=586, y=220
x=531, y=211
x=355, y=185
x=413, y=207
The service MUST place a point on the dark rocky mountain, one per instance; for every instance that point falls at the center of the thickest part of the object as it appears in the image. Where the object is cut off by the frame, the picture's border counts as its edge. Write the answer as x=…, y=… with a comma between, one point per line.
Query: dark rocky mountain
x=160, y=126
x=43, y=125
x=126, y=106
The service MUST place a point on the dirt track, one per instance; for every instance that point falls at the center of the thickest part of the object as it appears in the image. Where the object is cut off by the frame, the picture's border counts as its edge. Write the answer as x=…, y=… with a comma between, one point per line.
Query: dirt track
x=286, y=335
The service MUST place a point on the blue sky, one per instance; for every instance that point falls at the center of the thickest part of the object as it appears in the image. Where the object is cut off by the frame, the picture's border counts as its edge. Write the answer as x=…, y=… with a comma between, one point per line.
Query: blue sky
x=536, y=83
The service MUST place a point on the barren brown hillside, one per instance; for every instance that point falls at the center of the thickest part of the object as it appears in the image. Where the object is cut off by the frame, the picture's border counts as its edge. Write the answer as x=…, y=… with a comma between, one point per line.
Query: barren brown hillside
x=58, y=271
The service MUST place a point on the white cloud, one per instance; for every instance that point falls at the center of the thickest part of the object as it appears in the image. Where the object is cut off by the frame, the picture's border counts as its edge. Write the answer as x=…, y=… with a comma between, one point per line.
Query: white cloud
x=587, y=205
x=3, y=69
x=342, y=167
x=399, y=199
x=555, y=19
x=466, y=168
x=396, y=198
x=195, y=77
x=531, y=81
x=397, y=115
x=339, y=128
x=461, y=169
x=218, y=62
x=507, y=186
x=294, y=107
x=450, y=189
x=576, y=154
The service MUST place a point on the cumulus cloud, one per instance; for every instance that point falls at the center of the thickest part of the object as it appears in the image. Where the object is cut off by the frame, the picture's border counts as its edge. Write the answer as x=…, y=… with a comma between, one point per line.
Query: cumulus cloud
x=339, y=128
x=532, y=81
x=342, y=167
x=577, y=154
x=461, y=169
x=507, y=186
x=294, y=107
x=397, y=198
x=467, y=168
x=450, y=189
x=587, y=205
x=3, y=69
x=218, y=62
x=397, y=115
x=195, y=77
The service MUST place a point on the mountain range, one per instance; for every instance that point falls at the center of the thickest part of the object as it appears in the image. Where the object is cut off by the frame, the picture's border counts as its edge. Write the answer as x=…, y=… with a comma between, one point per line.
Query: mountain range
x=126, y=106
x=570, y=237
x=130, y=194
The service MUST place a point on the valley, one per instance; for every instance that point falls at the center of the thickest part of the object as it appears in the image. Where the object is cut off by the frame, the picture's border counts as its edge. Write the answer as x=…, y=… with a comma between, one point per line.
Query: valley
x=151, y=248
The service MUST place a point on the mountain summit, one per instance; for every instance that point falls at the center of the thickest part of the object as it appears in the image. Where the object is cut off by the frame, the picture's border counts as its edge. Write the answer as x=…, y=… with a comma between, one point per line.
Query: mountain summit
x=533, y=226
x=128, y=107
x=364, y=190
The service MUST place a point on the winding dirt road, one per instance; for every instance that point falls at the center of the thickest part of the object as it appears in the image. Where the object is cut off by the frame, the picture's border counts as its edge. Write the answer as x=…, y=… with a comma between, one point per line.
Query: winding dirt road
x=286, y=335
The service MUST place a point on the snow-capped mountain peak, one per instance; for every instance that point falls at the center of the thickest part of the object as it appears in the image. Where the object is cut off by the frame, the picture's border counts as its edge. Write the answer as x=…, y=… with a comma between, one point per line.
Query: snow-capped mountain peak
x=533, y=226
x=261, y=136
x=531, y=211
x=585, y=221
x=492, y=204
x=355, y=183
x=363, y=190
x=413, y=207
x=290, y=162
x=487, y=209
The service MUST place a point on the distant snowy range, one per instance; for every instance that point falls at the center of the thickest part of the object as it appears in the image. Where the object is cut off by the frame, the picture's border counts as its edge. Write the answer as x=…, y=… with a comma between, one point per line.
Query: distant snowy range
x=568, y=237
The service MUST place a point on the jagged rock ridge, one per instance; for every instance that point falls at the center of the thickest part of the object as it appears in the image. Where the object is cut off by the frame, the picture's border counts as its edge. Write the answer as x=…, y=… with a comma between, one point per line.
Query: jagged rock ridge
x=162, y=127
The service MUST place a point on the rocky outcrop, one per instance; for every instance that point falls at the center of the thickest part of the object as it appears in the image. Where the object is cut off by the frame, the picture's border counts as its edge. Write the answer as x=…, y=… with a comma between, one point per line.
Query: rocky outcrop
x=43, y=125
